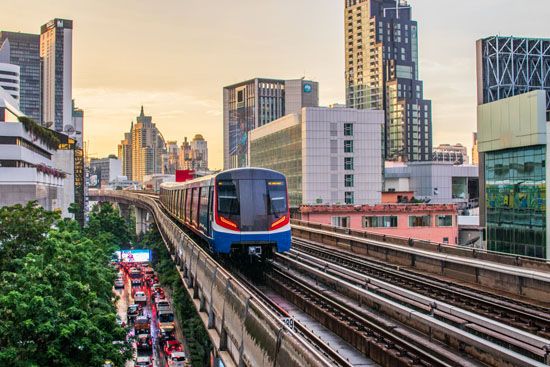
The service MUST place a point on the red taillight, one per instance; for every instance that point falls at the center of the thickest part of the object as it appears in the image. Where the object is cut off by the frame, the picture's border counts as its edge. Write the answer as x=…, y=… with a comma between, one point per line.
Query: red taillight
x=281, y=222
x=226, y=223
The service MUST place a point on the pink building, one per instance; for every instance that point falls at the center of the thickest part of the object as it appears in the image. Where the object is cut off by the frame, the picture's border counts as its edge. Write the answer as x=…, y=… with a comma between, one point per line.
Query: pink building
x=431, y=222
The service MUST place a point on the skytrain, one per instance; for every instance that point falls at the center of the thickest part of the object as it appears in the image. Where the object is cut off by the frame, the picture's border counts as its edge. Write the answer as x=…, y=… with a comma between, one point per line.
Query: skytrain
x=242, y=211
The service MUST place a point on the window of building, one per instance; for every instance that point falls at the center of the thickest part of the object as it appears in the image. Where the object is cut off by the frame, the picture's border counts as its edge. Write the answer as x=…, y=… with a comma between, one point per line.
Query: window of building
x=348, y=163
x=334, y=146
x=444, y=220
x=349, y=197
x=340, y=221
x=380, y=222
x=333, y=129
x=348, y=180
x=348, y=129
x=420, y=221
x=348, y=146
x=446, y=240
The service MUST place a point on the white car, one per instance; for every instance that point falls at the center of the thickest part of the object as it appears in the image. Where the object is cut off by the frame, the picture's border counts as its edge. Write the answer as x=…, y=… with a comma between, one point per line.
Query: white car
x=177, y=359
x=140, y=297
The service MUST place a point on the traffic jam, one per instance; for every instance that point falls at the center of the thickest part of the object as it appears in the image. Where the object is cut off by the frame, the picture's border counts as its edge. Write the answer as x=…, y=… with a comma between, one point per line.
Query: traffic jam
x=146, y=312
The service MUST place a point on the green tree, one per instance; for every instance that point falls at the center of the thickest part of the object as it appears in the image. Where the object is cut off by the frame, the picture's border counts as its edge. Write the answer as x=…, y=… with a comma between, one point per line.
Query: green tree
x=22, y=228
x=56, y=299
x=104, y=218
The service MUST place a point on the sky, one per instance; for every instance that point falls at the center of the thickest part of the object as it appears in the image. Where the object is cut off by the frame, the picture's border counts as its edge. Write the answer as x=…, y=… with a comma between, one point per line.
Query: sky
x=175, y=56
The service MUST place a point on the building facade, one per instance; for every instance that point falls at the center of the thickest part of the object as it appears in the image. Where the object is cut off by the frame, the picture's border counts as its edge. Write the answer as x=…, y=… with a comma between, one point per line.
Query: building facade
x=456, y=154
x=254, y=103
x=27, y=166
x=10, y=80
x=199, y=154
x=104, y=171
x=125, y=153
x=429, y=222
x=56, y=42
x=509, y=66
x=512, y=143
x=23, y=50
x=148, y=148
x=329, y=155
x=381, y=48
x=171, y=158
x=435, y=182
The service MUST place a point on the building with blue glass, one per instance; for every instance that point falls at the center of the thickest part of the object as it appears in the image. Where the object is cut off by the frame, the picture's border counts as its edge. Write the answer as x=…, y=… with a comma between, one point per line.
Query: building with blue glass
x=256, y=102
x=513, y=113
x=23, y=50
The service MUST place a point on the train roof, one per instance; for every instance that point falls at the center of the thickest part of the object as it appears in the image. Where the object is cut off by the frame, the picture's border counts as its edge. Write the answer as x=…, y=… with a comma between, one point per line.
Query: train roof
x=248, y=173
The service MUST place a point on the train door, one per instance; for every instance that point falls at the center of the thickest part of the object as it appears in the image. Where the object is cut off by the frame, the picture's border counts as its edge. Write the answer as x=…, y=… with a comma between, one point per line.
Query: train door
x=210, y=209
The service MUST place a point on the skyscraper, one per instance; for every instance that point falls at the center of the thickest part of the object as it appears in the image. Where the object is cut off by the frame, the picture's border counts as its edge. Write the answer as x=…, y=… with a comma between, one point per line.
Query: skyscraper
x=56, y=42
x=23, y=50
x=148, y=148
x=125, y=153
x=256, y=102
x=381, y=42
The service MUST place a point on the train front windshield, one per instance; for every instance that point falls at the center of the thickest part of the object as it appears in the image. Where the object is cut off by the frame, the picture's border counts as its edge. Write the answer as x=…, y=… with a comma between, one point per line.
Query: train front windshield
x=253, y=205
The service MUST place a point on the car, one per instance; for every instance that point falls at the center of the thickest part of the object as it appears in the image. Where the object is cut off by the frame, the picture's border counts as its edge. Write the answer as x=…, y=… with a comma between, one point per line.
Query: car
x=159, y=302
x=144, y=342
x=163, y=309
x=172, y=346
x=143, y=361
x=119, y=284
x=142, y=325
x=166, y=333
x=132, y=312
x=177, y=359
x=136, y=282
x=165, y=318
x=140, y=297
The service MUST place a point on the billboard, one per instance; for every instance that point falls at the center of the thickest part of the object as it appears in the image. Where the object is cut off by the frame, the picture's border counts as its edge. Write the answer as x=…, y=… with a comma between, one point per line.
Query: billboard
x=133, y=256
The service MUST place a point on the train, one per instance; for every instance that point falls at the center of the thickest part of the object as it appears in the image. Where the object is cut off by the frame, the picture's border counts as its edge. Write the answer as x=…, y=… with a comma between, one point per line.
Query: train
x=238, y=212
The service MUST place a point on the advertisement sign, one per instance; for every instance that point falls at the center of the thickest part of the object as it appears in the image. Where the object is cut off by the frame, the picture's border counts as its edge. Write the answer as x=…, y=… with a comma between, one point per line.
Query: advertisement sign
x=133, y=256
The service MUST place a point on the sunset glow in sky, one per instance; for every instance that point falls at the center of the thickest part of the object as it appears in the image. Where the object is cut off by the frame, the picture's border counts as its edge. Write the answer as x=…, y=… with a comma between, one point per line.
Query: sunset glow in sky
x=175, y=56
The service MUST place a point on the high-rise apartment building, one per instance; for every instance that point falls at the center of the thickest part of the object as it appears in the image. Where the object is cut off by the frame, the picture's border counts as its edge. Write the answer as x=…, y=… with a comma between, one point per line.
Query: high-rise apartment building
x=125, y=153
x=23, y=50
x=56, y=39
x=170, y=164
x=381, y=42
x=256, y=102
x=148, y=148
x=199, y=153
x=513, y=125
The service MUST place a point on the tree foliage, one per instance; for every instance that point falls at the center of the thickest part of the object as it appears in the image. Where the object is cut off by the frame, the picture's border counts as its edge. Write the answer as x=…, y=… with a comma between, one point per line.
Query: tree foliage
x=106, y=220
x=56, y=299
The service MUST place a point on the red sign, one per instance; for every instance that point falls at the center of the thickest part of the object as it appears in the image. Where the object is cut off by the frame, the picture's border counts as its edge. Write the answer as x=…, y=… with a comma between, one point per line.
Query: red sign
x=185, y=175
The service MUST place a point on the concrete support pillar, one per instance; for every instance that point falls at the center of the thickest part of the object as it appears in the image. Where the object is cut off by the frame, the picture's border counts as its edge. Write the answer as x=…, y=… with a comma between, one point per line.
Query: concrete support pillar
x=144, y=219
x=124, y=210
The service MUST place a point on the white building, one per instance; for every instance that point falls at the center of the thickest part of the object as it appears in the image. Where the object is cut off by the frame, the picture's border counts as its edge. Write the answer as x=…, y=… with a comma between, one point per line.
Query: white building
x=104, y=171
x=438, y=182
x=27, y=167
x=329, y=155
x=10, y=80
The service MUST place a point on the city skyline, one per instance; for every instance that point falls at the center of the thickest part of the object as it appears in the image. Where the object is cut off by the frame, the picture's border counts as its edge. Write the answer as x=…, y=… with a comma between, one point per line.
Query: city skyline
x=174, y=71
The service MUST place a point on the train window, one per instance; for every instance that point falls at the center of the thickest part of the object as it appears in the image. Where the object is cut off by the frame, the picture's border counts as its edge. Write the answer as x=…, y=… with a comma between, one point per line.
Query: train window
x=189, y=204
x=195, y=203
x=277, y=197
x=203, y=213
x=228, y=201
